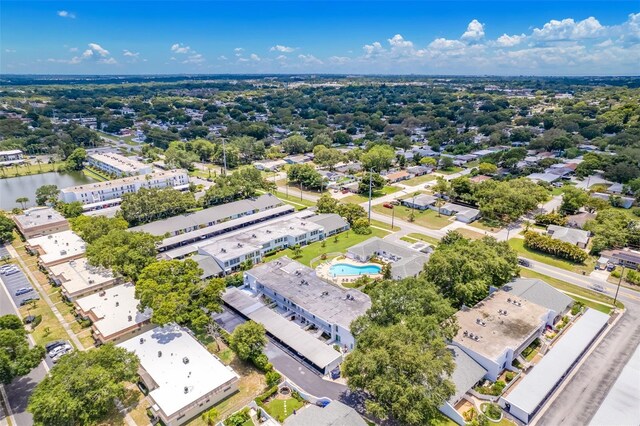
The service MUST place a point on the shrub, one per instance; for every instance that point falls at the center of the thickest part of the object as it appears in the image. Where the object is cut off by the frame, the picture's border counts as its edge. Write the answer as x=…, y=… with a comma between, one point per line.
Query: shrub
x=636, y=211
x=296, y=395
x=273, y=378
x=577, y=307
x=235, y=280
x=633, y=277
x=551, y=219
x=546, y=244
x=615, y=273
x=237, y=419
x=262, y=362
x=509, y=376
x=492, y=411
x=260, y=399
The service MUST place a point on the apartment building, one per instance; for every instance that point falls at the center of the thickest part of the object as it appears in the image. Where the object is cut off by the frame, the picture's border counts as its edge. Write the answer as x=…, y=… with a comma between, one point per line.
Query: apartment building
x=40, y=221
x=96, y=195
x=118, y=165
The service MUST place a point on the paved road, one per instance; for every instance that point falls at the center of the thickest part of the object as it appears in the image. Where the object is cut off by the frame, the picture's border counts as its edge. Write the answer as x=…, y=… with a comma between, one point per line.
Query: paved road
x=624, y=395
x=20, y=389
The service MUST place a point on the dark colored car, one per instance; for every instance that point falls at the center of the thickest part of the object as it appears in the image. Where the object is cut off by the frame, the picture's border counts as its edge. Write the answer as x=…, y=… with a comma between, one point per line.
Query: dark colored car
x=523, y=262
x=28, y=299
x=51, y=345
x=23, y=290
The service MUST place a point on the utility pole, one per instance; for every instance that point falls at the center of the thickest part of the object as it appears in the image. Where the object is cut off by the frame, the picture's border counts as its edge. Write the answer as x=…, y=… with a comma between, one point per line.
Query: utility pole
x=615, y=299
x=300, y=190
x=393, y=215
x=286, y=184
x=370, y=176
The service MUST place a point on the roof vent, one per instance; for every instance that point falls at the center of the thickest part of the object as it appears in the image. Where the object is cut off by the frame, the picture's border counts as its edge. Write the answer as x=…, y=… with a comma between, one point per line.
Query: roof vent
x=325, y=293
x=159, y=354
x=130, y=318
x=185, y=360
x=141, y=340
x=476, y=337
x=482, y=323
x=186, y=389
x=117, y=303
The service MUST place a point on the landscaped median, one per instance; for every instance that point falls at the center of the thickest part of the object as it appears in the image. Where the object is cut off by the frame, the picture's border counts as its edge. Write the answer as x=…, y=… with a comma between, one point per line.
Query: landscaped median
x=518, y=245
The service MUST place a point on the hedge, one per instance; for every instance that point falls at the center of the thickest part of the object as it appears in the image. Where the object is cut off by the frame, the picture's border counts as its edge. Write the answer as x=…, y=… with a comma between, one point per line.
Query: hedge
x=546, y=244
x=551, y=219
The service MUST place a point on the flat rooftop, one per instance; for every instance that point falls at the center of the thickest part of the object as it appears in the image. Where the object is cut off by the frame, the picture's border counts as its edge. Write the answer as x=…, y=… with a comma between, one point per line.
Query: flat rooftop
x=120, y=162
x=299, y=284
x=210, y=215
x=116, y=307
x=58, y=246
x=183, y=363
x=533, y=390
x=38, y=216
x=130, y=180
x=498, y=331
x=302, y=342
x=78, y=276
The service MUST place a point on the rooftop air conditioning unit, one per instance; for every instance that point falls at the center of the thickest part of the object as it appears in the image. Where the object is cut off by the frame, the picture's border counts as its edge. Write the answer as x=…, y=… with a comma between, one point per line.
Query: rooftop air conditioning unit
x=159, y=354
x=185, y=360
x=129, y=318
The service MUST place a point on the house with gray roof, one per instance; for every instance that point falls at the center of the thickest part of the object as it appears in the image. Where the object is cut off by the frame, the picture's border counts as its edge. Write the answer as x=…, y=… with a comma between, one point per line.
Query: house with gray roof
x=405, y=261
x=541, y=293
x=576, y=237
x=333, y=414
x=420, y=202
x=331, y=222
x=615, y=200
x=466, y=375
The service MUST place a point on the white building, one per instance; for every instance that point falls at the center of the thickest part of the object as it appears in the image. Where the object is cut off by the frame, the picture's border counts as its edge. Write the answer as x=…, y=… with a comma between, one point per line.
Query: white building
x=298, y=291
x=78, y=278
x=182, y=377
x=14, y=156
x=114, y=313
x=118, y=165
x=496, y=330
x=100, y=194
x=57, y=248
x=39, y=221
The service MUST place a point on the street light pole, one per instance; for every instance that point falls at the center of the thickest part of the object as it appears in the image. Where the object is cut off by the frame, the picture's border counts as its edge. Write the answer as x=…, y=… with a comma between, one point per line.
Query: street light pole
x=300, y=190
x=393, y=215
x=224, y=157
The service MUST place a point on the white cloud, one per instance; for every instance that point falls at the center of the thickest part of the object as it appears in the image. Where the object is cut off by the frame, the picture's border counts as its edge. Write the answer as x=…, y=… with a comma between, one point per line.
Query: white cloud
x=130, y=54
x=66, y=14
x=340, y=60
x=73, y=49
x=446, y=44
x=568, y=29
x=509, y=41
x=399, y=42
x=373, y=49
x=222, y=58
x=281, y=58
x=254, y=57
x=281, y=48
x=475, y=31
x=180, y=48
x=195, y=58
x=108, y=61
x=96, y=48
x=238, y=49
x=9, y=50
x=310, y=59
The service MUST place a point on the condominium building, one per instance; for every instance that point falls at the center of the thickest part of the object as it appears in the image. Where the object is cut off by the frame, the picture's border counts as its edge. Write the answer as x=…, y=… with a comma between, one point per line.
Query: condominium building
x=183, y=378
x=14, y=156
x=77, y=278
x=39, y=221
x=114, y=313
x=57, y=248
x=96, y=195
x=118, y=165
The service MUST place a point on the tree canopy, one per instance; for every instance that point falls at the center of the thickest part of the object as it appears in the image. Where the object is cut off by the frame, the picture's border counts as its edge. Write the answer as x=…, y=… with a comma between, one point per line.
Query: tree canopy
x=401, y=362
x=90, y=228
x=464, y=269
x=151, y=204
x=248, y=340
x=176, y=293
x=6, y=229
x=16, y=357
x=82, y=388
x=126, y=253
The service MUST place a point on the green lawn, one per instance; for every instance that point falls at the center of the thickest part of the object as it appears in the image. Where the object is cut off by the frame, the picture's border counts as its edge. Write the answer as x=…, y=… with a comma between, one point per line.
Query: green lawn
x=425, y=238
x=358, y=199
x=468, y=233
x=384, y=225
x=579, y=294
x=419, y=180
x=276, y=408
x=481, y=225
x=450, y=171
x=30, y=169
x=427, y=218
x=345, y=240
x=294, y=200
x=95, y=174
x=518, y=245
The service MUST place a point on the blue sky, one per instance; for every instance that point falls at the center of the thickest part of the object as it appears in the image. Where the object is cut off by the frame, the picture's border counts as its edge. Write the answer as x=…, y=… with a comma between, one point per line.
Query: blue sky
x=427, y=37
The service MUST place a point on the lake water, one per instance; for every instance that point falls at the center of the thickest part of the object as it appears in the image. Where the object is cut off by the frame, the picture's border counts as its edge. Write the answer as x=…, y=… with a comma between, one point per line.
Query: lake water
x=25, y=186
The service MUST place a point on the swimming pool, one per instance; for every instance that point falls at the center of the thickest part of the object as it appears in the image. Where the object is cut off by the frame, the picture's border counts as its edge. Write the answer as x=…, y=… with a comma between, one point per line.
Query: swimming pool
x=340, y=269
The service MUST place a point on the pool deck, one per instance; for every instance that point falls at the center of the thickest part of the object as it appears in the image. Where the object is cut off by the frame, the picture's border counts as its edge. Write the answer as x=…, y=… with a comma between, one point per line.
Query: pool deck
x=323, y=270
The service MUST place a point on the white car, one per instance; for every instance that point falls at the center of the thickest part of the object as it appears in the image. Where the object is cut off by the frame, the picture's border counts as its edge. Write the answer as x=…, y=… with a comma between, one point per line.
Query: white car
x=8, y=268
x=59, y=349
x=60, y=354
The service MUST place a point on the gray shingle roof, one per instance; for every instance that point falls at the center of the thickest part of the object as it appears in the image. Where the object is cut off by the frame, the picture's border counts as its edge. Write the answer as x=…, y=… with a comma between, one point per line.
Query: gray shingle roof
x=330, y=222
x=568, y=235
x=334, y=414
x=466, y=374
x=540, y=293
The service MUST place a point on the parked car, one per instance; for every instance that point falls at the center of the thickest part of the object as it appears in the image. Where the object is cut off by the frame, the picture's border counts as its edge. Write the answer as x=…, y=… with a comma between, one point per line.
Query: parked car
x=610, y=267
x=58, y=349
x=51, y=345
x=598, y=287
x=6, y=270
x=395, y=202
x=6, y=267
x=60, y=354
x=23, y=290
x=388, y=205
x=28, y=299
x=11, y=271
x=523, y=262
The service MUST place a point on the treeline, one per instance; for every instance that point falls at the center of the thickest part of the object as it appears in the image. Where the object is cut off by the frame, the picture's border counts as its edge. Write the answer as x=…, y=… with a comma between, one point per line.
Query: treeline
x=547, y=244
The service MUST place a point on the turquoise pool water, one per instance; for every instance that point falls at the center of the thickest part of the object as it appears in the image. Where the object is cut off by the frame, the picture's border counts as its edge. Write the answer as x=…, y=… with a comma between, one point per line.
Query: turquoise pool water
x=340, y=269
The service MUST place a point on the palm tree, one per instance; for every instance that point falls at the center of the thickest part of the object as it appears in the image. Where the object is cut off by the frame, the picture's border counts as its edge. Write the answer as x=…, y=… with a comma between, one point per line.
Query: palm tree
x=39, y=162
x=23, y=201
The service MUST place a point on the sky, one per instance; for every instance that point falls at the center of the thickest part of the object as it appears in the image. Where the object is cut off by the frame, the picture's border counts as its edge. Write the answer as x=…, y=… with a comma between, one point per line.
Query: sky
x=515, y=37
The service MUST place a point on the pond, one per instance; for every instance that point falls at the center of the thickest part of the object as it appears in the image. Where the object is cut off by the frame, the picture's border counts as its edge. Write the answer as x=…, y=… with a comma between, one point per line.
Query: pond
x=25, y=186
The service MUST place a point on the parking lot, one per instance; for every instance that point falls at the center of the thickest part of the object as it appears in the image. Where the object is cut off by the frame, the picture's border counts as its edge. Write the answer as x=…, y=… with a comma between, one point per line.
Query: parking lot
x=17, y=281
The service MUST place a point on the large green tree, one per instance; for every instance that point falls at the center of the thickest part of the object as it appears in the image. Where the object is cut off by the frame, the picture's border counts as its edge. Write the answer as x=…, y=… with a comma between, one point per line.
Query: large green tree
x=176, y=293
x=464, y=269
x=47, y=194
x=378, y=158
x=248, y=340
x=75, y=161
x=573, y=198
x=127, y=253
x=16, y=357
x=401, y=363
x=83, y=387
x=148, y=205
x=90, y=228
x=507, y=201
x=6, y=229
